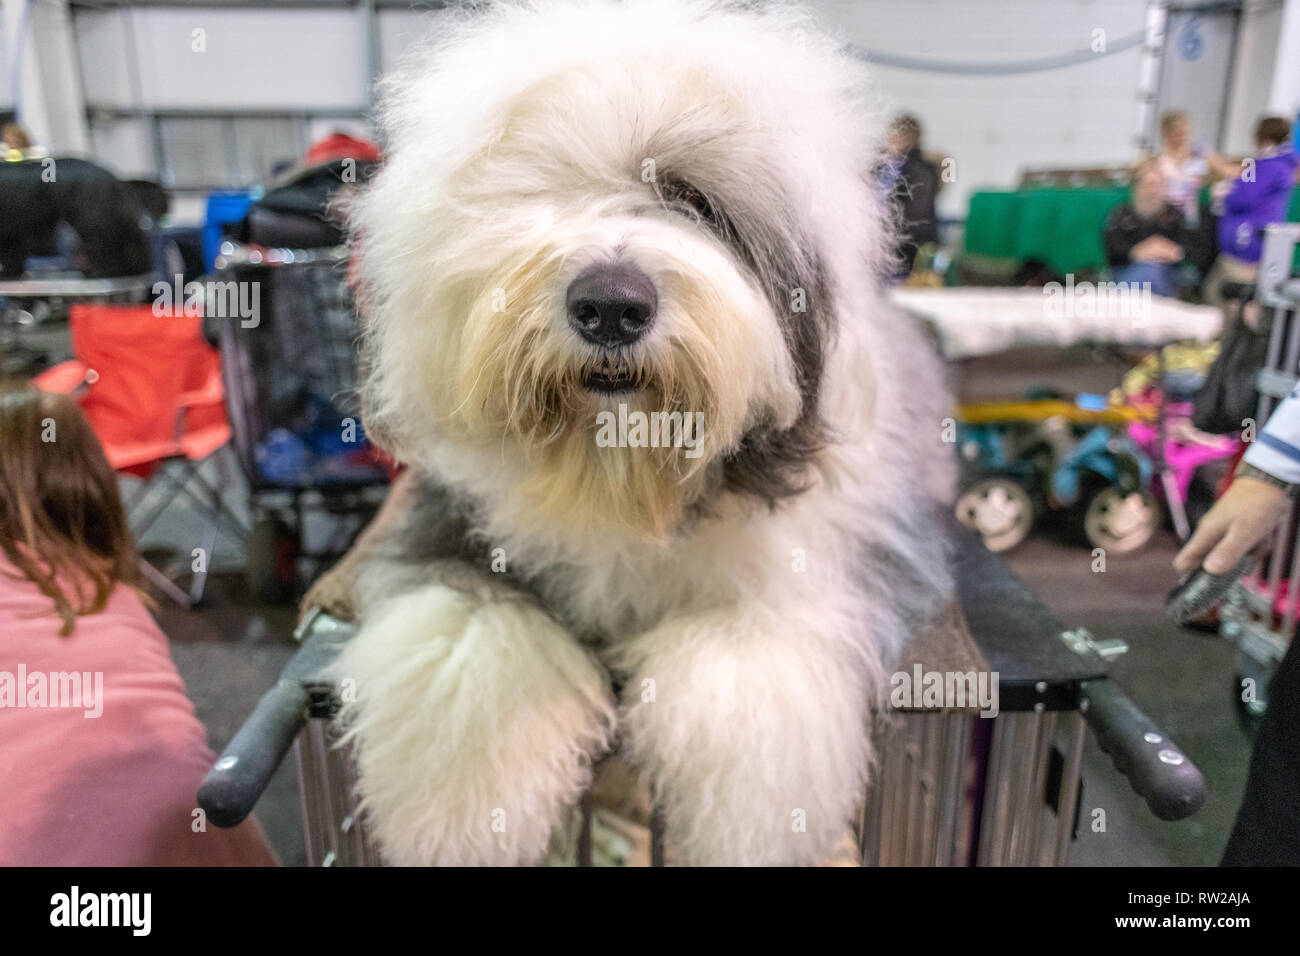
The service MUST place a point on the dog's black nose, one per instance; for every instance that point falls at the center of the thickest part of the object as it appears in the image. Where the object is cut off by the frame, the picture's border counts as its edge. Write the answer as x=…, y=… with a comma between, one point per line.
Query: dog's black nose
x=611, y=305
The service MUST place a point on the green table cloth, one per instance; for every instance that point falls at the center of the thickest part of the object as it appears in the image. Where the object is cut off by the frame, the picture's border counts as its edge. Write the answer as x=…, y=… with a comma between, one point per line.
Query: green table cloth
x=1058, y=226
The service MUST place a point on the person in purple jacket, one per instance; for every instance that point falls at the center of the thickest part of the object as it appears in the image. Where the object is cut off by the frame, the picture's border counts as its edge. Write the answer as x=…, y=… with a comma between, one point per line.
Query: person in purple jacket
x=1260, y=189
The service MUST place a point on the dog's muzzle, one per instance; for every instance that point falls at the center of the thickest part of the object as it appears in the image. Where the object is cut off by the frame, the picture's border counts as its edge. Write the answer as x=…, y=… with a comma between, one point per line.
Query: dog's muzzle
x=611, y=306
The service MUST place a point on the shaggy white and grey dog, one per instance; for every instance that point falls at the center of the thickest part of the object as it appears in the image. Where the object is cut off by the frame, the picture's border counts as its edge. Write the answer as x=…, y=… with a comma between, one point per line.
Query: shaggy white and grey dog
x=664, y=205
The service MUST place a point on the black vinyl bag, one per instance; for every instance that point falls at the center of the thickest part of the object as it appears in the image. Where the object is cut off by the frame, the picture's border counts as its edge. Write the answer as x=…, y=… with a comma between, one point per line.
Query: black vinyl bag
x=295, y=211
x=1229, y=395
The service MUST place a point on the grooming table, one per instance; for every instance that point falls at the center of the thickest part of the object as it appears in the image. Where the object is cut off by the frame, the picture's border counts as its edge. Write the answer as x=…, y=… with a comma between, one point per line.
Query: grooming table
x=952, y=787
x=76, y=287
x=1001, y=342
x=972, y=322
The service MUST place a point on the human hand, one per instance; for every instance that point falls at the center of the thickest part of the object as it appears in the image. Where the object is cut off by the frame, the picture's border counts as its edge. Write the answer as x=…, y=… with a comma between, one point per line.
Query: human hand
x=1173, y=252
x=1157, y=249
x=1144, y=251
x=1247, y=512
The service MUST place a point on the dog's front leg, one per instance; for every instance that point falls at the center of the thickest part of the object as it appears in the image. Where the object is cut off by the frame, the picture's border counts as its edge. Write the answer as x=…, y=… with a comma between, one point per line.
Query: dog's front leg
x=475, y=719
x=753, y=727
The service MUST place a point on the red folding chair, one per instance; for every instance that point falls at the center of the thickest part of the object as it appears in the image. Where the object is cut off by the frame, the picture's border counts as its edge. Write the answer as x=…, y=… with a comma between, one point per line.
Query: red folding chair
x=151, y=390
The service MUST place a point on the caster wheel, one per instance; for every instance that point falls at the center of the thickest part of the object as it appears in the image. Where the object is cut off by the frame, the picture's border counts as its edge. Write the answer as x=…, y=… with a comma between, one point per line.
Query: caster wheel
x=273, y=561
x=1120, y=523
x=999, y=510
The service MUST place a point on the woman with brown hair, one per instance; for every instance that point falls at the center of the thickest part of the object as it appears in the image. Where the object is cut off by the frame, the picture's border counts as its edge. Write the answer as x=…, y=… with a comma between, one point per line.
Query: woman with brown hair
x=100, y=751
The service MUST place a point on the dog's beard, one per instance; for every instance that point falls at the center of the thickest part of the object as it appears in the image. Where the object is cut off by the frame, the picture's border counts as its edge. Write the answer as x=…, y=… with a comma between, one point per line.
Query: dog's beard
x=518, y=379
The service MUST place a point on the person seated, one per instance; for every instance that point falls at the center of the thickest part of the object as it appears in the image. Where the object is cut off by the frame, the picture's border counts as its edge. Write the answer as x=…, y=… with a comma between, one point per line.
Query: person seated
x=101, y=754
x=1147, y=240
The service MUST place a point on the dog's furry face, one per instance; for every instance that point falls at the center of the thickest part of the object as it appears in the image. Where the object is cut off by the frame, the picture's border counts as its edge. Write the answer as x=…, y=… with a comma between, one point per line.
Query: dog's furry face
x=720, y=154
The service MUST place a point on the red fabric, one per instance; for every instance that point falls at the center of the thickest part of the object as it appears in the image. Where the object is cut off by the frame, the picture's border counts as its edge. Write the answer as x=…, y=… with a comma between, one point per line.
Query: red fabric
x=64, y=378
x=113, y=790
x=204, y=425
x=339, y=146
x=155, y=384
x=131, y=403
x=206, y=430
x=202, y=385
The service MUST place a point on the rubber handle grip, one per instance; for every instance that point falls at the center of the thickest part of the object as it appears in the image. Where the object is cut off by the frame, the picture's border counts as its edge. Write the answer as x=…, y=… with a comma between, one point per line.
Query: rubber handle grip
x=1157, y=770
x=239, y=777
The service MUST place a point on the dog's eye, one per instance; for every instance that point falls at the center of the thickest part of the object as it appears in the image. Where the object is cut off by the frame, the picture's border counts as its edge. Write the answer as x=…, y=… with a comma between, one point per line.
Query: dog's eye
x=687, y=196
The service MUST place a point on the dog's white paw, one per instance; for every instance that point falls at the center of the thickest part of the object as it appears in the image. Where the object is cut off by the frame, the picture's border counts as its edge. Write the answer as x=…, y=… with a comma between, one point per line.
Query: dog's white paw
x=475, y=723
x=756, y=742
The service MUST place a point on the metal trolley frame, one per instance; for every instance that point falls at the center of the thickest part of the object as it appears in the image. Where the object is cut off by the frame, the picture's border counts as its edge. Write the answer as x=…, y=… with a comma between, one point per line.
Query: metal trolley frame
x=1261, y=621
x=951, y=788
x=306, y=334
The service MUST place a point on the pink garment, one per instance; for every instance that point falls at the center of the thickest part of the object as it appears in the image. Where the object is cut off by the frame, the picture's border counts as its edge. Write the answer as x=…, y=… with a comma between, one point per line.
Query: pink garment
x=116, y=789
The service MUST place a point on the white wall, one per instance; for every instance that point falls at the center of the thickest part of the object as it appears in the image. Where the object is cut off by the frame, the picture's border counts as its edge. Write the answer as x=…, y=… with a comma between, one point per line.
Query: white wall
x=245, y=59
x=1284, y=94
x=214, y=59
x=993, y=126
x=1256, y=58
x=40, y=70
x=1196, y=72
x=125, y=146
x=6, y=94
x=398, y=29
x=55, y=56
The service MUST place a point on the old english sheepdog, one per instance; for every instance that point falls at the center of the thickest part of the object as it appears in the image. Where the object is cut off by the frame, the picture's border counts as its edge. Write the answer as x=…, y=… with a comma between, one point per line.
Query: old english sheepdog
x=677, y=458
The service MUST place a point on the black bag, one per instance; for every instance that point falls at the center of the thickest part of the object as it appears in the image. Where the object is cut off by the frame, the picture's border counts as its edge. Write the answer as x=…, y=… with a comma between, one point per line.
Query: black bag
x=295, y=211
x=1228, y=396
